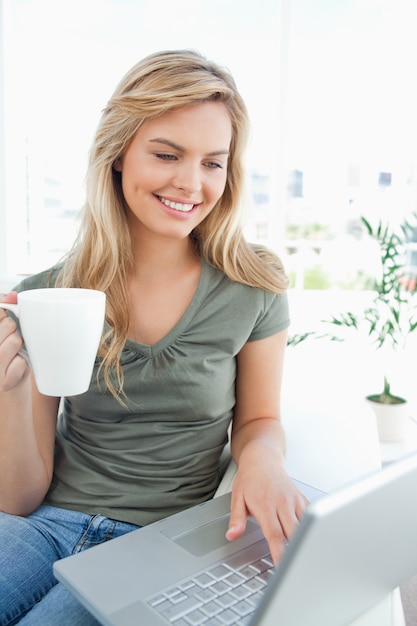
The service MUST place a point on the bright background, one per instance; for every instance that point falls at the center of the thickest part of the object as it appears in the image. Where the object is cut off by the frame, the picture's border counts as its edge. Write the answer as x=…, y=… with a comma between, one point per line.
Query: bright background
x=329, y=86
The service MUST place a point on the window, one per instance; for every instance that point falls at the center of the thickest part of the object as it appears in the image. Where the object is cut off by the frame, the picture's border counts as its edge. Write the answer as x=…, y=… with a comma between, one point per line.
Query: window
x=62, y=61
x=351, y=133
x=329, y=87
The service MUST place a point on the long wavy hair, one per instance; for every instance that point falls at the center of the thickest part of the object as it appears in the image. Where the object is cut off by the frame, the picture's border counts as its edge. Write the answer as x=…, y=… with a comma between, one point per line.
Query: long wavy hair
x=101, y=257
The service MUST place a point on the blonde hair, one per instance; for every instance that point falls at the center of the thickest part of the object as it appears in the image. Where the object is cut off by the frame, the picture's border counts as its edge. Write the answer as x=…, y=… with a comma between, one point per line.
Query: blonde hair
x=102, y=254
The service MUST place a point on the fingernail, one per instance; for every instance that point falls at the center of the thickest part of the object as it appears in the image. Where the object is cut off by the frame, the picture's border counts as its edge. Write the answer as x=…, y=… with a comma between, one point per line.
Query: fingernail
x=231, y=530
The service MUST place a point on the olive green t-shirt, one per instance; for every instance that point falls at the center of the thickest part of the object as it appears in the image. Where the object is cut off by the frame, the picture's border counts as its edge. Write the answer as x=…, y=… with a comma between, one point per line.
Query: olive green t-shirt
x=160, y=453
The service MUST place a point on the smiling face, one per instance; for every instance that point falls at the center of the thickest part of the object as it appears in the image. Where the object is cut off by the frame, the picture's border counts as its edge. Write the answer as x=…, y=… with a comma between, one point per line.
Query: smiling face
x=175, y=169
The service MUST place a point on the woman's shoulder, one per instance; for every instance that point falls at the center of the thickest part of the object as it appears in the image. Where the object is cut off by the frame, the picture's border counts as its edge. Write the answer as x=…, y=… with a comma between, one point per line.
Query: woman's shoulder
x=238, y=308
x=219, y=285
x=272, y=265
x=255, y=266
x=40, y=280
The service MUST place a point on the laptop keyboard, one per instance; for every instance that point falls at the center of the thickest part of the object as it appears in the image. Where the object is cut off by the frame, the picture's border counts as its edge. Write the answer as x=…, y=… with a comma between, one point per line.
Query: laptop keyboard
x=226, y=594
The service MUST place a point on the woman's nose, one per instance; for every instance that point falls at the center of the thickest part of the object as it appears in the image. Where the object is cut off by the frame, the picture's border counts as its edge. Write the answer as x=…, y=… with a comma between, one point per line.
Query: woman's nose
x=188, y=178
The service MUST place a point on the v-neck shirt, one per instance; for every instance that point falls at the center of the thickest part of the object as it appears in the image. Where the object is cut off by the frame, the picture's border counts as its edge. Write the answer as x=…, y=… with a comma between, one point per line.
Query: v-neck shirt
x=160, y=453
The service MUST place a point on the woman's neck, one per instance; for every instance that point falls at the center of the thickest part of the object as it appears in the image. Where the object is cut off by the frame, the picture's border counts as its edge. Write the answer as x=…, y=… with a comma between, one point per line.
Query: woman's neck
x=161, y=286
x=169, y=257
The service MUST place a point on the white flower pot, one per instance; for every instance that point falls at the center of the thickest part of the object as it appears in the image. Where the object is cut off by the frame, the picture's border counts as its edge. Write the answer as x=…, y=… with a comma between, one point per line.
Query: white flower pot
x=391, y=420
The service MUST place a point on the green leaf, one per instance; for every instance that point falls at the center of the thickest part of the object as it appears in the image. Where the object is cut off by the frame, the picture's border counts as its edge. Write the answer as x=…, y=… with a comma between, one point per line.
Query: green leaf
x=367, y=225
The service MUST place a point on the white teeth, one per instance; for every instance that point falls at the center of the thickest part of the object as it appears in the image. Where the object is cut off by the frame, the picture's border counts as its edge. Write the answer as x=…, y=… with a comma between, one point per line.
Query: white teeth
x=176, y=205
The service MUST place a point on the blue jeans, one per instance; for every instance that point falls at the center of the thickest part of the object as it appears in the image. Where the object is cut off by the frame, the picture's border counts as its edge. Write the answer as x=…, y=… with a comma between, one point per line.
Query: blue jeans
x=29, y=592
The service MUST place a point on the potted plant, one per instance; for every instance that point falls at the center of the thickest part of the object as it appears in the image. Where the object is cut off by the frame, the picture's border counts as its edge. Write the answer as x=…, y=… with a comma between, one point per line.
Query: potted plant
x=388, y=320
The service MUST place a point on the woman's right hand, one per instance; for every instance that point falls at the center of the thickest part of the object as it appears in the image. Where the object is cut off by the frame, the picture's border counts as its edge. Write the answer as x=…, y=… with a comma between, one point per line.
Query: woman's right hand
x=27, y=426
x=14, y=368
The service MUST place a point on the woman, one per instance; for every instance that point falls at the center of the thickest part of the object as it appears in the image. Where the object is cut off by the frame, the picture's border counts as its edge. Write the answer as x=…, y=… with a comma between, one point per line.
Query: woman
x=194, y=341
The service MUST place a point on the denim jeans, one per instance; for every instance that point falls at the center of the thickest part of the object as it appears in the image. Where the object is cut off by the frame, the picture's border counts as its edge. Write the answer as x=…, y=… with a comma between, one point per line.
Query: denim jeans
x=29, y=593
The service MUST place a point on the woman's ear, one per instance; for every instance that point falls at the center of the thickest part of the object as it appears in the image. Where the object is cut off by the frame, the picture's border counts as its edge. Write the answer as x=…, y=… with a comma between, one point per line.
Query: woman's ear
x=117, y=165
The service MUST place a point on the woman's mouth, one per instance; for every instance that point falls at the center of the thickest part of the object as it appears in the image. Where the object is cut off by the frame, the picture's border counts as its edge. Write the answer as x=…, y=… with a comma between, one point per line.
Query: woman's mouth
x=178, y=206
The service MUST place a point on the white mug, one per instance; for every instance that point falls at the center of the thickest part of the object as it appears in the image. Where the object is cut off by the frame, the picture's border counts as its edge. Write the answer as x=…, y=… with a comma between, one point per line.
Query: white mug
x=61, y=328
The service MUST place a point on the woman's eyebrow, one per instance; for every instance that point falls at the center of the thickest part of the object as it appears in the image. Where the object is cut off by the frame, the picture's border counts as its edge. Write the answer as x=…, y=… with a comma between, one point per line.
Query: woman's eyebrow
x=176, y=146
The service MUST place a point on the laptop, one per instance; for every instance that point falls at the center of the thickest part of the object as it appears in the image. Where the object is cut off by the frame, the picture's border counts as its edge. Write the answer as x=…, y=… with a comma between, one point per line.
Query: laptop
x=351, y=548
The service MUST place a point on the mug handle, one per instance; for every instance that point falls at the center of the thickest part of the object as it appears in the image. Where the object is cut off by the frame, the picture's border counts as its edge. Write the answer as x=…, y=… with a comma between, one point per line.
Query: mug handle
x=11, y=307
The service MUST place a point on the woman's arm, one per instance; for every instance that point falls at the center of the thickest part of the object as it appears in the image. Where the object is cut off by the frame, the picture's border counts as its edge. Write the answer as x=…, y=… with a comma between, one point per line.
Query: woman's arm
x=27, y=428
x=262, y=487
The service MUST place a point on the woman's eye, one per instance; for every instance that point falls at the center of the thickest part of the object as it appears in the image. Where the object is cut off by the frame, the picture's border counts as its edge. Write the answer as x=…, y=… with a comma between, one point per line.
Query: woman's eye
x=214, y=165
x=165, y=157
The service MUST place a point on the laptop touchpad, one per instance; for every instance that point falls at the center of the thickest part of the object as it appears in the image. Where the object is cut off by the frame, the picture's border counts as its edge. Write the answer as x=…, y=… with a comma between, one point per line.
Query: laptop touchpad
x=209, y=537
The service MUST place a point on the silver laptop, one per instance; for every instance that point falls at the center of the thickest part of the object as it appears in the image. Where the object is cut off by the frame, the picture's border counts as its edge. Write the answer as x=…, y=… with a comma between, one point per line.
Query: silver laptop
x=350, y=550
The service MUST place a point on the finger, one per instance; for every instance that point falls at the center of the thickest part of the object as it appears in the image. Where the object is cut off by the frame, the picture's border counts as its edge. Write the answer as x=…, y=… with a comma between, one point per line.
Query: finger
x=7, y=327
x=274, y=532
x=10, y=298
x=290, y=512
x=2, y=311
x=301, y=505
x=238, y=519
x=16, y=372
x=10, y=341
x=287, y=521
x=13, y=368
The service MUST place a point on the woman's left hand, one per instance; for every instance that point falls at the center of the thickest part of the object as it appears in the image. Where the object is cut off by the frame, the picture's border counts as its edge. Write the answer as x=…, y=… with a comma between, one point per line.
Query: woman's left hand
x=264, y=490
